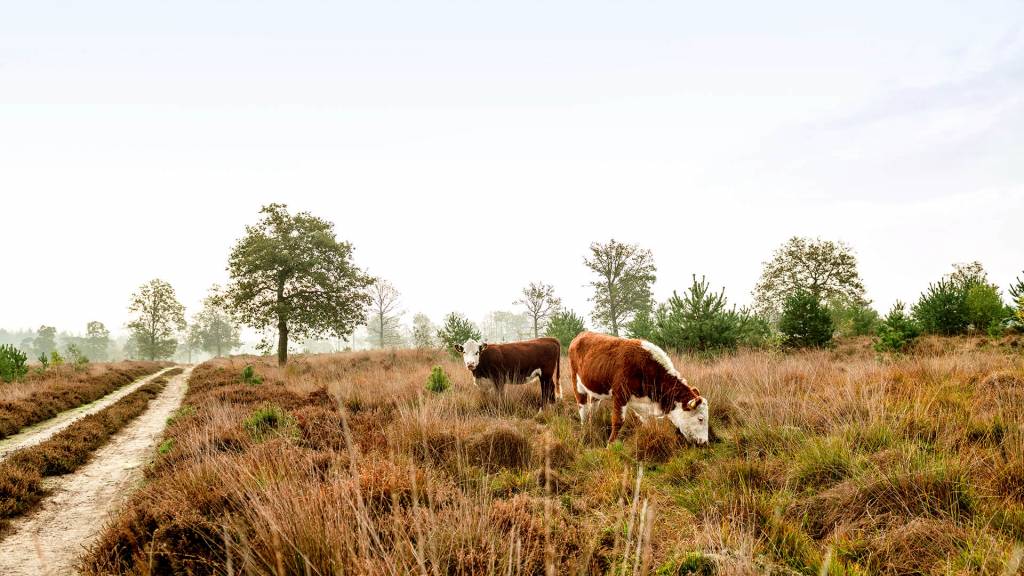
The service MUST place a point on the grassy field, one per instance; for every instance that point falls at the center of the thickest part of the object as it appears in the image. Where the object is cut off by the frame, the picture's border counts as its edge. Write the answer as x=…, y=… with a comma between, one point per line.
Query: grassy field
x=43, y=395
x=829, y=462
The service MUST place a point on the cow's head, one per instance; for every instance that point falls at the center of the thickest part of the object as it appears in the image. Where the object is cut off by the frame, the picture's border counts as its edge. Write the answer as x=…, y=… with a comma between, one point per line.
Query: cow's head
x=471, y=350
x=691, y=418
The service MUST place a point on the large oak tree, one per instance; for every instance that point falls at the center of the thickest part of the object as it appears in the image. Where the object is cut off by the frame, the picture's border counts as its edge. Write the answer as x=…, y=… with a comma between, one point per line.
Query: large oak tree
x=290, y=273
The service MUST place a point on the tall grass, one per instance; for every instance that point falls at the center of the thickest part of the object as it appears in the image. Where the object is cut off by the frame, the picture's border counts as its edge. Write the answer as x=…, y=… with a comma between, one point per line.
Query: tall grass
x=831, y=462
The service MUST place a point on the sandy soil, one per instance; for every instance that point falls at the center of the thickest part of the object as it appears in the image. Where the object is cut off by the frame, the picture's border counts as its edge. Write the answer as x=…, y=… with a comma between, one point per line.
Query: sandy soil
x=49, y=540
x=39, y=432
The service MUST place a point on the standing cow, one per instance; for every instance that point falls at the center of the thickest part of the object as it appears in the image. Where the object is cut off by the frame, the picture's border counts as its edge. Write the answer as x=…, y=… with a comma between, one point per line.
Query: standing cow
x=637, y=375
x=515, y=362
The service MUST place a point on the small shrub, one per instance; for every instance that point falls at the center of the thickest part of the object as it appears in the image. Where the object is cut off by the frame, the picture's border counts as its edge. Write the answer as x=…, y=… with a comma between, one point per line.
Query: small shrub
x=438, y=380
x=698, y=321
x=269, y=420
x=56, y=359
x=985, y=306
x=692, y=564
x=897, y=332
x=75, y=356
x=805, y=323
x=44, y=360
x=250, y=377
x=12, y=363
x=853, y=318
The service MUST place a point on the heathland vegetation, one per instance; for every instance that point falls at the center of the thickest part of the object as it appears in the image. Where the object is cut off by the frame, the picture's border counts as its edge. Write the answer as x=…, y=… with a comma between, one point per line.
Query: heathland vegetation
x=824, y=461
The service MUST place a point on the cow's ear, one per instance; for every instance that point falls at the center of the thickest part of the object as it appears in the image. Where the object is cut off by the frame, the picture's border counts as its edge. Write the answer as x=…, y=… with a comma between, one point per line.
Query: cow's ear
x=694, y=402
x=482, y=346
x=459, y=348
x=696, y=391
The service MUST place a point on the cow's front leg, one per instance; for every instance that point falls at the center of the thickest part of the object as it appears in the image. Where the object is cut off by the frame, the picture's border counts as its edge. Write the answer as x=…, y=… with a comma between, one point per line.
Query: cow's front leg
x=617, y=411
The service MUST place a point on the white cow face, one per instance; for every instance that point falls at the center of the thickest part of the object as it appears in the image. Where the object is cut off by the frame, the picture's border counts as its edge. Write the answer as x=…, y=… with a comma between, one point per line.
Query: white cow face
x=471, y=350
x=692, y=423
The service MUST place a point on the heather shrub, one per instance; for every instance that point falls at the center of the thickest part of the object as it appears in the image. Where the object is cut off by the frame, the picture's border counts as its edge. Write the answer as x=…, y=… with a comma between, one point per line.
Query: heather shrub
x=250, y=377
x=12, y=363
x=268, y=421
x=438, y=380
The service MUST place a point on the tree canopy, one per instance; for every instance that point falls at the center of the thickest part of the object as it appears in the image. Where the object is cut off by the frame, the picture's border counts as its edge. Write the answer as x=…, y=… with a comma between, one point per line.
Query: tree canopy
x=97, y=341
x=540, y=302
x=290, y=273
x=456, y=330
x=565, y=325
x=824, y=269
x=215, y=331
x=157, y=318
x=625, y=273
x=383, y=325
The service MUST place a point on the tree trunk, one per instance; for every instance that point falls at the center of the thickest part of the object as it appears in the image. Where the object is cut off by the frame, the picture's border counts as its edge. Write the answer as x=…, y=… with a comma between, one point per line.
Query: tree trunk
x=382, y=330
x=536, y=334
x=282, y=342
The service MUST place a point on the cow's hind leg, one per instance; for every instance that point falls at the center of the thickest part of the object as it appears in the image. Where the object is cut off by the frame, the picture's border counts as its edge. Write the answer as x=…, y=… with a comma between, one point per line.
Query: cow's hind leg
x=547, y=389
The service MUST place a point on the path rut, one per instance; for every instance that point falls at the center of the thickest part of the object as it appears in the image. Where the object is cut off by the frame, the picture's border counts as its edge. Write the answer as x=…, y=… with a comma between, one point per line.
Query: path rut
x=41, y=431
x=50, y=540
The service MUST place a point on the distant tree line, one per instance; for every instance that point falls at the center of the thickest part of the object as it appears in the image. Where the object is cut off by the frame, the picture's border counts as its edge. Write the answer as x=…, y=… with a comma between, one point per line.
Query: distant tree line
x=292, y=280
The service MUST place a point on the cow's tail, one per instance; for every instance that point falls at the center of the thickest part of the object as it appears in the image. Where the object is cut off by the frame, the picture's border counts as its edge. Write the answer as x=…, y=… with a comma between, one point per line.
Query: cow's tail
x=558, y=372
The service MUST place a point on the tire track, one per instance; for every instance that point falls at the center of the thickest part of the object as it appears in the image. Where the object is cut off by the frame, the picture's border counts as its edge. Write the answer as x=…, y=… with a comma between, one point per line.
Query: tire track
x=50, y=540
x=42, y=431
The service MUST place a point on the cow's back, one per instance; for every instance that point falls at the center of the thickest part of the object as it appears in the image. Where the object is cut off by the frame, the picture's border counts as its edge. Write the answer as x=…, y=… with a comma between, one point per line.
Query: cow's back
x=515, y=360
x=599, y=359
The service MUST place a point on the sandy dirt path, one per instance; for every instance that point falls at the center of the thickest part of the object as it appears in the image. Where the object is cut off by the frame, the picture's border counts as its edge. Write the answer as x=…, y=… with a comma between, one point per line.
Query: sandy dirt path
x=41, y=431
x=50, y=540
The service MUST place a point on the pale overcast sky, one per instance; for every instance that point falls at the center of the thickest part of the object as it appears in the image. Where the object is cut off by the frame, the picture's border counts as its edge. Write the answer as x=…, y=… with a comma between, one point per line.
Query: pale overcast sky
x=467, y=148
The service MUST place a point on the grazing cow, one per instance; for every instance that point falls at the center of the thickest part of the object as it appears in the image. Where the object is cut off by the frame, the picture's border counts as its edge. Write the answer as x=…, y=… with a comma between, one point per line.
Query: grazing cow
x=637, y=375
x=515, y=362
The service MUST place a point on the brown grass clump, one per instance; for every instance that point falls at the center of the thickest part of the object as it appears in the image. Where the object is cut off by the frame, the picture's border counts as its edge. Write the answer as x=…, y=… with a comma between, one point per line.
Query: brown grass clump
x=499, y=447
x=919, y=546
x=41, y=396
x=655, y=442
x=875, y=465
x=22, y=472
